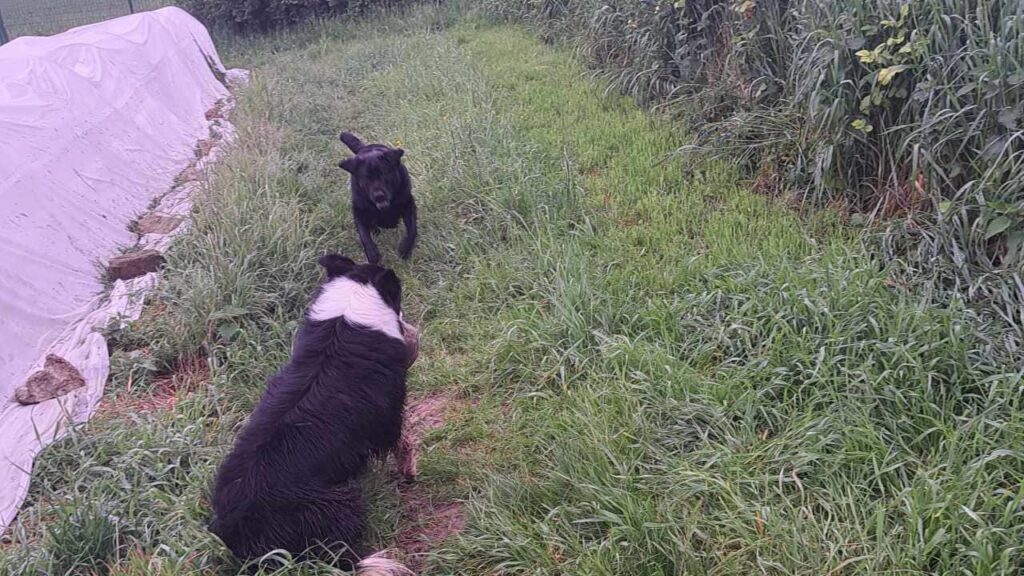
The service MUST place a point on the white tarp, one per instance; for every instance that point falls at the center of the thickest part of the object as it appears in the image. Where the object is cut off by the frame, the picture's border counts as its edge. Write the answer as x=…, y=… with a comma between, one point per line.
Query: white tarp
x=94, y=124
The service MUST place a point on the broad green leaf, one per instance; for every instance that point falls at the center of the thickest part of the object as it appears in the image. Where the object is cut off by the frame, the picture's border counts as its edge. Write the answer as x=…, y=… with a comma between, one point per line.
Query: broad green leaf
x=854, y=43
x=227, y=331
x=228, y=312
x=1015, y=245
x=898, y=39
x=997, y=226
x=885, y=75
x=1008, y=118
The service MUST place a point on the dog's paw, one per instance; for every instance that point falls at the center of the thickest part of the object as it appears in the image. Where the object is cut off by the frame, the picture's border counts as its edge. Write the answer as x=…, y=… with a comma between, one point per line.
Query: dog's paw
x=405, y=250
x=407, y=466
x=406, y=456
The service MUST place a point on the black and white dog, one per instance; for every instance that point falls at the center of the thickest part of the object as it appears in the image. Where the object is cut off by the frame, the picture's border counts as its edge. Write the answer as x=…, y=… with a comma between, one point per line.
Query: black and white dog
x=381, y=194
x=291, y=480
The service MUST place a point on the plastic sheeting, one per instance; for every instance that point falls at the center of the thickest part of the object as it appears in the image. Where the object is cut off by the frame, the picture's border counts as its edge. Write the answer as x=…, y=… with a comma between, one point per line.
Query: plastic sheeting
x=94, y=124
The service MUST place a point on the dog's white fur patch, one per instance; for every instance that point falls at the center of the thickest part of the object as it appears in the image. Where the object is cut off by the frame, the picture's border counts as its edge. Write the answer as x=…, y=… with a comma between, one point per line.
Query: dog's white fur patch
x=381, y=565
x=360, y=304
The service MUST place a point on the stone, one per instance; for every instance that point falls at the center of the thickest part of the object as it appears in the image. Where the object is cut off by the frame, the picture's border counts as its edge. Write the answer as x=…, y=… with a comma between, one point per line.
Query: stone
x=153, y=223
x=158, y=242
x=57, y=378
x=236, y=78
x=203, y=147
x=134, y=264
x=223, y=131
x=190, y=174
x=217, y=111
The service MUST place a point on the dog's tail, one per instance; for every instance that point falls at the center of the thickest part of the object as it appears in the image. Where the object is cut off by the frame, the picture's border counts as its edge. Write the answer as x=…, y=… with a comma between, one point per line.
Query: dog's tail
x=354, y=144
x=381, y=564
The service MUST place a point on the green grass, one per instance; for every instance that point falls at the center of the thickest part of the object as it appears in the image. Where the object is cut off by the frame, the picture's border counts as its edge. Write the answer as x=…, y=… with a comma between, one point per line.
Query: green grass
x=903, y=114
x=45, y=17
x=660, y=371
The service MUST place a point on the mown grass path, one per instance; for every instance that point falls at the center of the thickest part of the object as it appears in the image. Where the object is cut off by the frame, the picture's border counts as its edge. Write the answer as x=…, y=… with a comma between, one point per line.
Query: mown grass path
x=646, y=369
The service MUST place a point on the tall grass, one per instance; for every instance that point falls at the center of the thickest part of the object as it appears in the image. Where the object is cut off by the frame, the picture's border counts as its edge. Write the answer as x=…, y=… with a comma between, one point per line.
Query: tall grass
x=710, y=385
x=254, y=16
x=906, y=113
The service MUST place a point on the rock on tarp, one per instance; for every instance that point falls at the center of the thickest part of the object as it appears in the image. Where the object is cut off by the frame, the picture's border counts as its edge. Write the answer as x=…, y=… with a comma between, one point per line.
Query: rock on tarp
x=94, y=123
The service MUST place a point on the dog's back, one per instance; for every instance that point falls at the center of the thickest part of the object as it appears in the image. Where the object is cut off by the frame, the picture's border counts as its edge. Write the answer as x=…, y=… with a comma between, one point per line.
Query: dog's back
x=290, y=482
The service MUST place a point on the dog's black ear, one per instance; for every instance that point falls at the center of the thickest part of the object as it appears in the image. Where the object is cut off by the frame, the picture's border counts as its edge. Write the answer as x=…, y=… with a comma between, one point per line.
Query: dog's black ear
x=389, y=287
x=349, y=165
x=354, y=143
x=396, y=154
x=336, y=265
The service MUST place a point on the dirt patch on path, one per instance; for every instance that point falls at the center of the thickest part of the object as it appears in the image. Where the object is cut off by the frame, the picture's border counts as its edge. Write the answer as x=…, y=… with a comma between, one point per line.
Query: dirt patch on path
x=162, y=395
x=426, y=521
x=428, y=524
x=427, y=413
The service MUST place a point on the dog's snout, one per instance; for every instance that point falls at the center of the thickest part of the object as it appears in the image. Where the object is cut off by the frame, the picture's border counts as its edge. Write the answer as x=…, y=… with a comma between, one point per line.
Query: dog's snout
x=380, y=198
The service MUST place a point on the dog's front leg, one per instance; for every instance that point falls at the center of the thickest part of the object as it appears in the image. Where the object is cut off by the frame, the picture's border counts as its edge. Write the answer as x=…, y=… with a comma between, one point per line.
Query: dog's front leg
x=406, y=453
x=410, y=232
x=369, y=246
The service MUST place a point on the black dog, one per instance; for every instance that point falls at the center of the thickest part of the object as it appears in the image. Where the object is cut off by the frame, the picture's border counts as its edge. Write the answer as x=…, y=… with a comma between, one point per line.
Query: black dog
x=381, y=194
x=291, y=480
